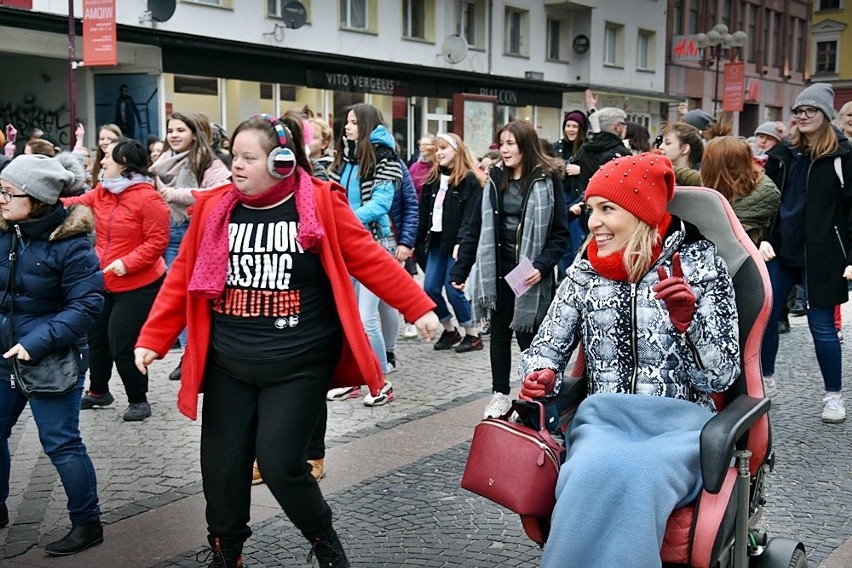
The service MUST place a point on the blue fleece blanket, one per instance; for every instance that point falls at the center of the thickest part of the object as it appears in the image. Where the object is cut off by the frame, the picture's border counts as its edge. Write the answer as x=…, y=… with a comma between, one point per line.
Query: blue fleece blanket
x=632, y=460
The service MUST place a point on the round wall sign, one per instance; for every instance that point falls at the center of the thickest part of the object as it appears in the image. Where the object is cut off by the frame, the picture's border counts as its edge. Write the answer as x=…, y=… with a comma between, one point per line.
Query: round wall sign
x=581, y=44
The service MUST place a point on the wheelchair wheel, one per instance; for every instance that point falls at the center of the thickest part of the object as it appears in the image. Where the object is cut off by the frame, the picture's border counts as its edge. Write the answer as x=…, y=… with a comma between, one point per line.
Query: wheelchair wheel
x=798, y=560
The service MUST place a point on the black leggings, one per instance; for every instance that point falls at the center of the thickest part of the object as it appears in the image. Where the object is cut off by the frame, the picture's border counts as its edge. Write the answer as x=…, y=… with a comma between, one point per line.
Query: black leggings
x=501, y=338
x=268, y=410
x=113, y=337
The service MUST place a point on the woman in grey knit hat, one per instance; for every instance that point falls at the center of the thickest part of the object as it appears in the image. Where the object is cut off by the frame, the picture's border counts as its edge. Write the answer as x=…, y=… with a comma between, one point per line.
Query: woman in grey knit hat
x=809, y=241
x=55, y=288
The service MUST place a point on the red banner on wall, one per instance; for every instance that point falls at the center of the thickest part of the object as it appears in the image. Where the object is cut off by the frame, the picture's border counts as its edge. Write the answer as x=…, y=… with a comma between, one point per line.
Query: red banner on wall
x=99, y=39
x=734, y=96
x=25, y=4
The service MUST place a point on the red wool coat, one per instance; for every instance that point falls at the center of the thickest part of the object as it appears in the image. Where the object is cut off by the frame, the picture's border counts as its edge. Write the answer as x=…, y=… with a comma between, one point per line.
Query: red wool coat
x=347, y=248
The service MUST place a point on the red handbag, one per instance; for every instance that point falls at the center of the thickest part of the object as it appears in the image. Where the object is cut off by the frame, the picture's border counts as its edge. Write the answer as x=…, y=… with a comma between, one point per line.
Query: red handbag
x=514, y=465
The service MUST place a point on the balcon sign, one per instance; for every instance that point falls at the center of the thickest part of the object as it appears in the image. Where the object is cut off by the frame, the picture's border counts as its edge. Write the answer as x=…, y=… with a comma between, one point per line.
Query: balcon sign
x=100, y=47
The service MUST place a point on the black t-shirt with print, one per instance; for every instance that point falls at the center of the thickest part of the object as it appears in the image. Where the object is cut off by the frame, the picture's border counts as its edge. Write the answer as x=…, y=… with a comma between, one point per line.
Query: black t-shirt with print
x=278, y=300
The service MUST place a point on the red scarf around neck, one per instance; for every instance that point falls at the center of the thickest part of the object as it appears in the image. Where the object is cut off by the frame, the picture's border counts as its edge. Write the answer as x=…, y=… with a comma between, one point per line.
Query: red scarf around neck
x=612, y=266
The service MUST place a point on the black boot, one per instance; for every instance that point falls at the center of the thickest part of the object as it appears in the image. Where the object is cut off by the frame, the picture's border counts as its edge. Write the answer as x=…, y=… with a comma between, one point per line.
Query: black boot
x=176, y=373
x=4, y=515
x=79, y=538
x=327, y=549
x=222, y=553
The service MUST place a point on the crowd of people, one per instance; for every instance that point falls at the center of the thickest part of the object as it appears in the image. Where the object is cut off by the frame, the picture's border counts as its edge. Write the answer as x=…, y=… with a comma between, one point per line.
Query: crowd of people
x=203, y=240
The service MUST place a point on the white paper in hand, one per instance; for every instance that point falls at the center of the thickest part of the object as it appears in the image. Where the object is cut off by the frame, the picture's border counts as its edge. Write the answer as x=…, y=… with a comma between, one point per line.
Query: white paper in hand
x=515, y=279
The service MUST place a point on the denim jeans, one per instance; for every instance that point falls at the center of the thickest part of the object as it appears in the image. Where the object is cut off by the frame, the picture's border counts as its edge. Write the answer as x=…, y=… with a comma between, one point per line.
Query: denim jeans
x=176, y=233
x=58, y=422
x=368, y=307
x=437, y=277
x=578, y=235
x=820, y=322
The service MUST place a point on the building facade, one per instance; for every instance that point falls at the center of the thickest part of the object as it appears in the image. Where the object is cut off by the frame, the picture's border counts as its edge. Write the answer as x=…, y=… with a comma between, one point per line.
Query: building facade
x=831, y=32
x=775, y=56
x=230, y=59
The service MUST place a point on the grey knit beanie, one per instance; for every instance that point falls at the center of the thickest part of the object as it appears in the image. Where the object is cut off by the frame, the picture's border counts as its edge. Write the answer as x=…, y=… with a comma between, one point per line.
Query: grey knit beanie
x=768, y=129
x=819, y=95
x=45, y=178
x=698, y=118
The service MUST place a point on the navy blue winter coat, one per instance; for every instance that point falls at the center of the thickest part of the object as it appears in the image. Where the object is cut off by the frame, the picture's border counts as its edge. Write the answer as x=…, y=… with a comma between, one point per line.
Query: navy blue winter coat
x=404, y=211
x=58, y=282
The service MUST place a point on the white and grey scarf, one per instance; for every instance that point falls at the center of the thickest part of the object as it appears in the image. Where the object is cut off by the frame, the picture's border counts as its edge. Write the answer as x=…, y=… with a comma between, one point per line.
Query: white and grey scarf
x=531, y=307
x=174, y=170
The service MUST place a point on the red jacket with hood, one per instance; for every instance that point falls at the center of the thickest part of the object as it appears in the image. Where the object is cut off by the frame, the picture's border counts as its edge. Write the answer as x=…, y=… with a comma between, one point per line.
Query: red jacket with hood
x=133, y=226
x=346, y=248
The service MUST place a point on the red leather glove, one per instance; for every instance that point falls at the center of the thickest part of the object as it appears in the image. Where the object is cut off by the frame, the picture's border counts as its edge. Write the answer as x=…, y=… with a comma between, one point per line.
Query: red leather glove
x=677, y=295
x=537, y=384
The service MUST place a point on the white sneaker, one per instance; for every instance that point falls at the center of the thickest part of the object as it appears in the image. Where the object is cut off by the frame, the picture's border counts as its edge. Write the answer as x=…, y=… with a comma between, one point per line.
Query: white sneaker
x=833, y=410
x=500, y=405
x=770, y=389
x=385, y=396
x=410, y=332
x=343, y=393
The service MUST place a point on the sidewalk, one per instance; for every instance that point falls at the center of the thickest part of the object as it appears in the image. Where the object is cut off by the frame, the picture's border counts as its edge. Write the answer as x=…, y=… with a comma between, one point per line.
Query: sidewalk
x=393, y=480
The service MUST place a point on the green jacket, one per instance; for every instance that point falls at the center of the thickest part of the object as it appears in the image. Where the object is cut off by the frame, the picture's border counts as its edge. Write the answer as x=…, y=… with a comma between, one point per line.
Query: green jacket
x=754, y=210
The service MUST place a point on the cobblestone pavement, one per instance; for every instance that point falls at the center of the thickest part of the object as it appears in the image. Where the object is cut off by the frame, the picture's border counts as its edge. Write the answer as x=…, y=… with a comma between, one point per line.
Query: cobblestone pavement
x=415, y=515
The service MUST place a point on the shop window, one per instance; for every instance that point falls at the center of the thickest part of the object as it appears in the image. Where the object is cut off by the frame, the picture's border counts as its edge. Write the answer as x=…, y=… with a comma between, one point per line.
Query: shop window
x=826, y=57
x=516, y=32
x=229, y=4
x=471, y=22
x=613, y=44
x=285, y=92
x=190, y=85
x=417, y=17
x=275, y=8
x=646, y=54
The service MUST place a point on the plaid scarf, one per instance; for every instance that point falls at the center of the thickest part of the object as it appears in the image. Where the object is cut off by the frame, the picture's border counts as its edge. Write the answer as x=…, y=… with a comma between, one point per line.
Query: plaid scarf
x=387, y=170
x=531, y=307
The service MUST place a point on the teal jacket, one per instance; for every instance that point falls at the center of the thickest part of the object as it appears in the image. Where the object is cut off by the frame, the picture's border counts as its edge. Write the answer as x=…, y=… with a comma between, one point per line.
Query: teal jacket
x=376, y=208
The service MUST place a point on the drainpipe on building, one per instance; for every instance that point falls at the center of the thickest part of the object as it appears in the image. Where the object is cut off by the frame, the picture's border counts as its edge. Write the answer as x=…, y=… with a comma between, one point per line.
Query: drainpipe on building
x=490, y=33
x=72, y=75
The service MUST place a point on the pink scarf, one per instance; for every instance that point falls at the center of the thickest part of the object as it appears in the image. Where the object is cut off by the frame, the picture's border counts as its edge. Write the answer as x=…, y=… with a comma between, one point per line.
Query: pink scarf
x=211, y=266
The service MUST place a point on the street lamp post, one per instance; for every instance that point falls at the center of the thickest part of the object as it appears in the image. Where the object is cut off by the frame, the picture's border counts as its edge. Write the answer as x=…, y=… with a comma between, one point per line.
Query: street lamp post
x=720, y=42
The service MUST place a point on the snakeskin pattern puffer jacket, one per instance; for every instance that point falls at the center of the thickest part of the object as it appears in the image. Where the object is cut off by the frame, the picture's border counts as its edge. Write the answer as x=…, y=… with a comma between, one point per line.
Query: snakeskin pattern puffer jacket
x=629, y=342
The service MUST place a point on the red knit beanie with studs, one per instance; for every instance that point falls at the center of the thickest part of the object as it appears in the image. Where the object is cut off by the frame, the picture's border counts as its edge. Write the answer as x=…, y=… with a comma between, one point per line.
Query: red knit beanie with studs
x=642, y=184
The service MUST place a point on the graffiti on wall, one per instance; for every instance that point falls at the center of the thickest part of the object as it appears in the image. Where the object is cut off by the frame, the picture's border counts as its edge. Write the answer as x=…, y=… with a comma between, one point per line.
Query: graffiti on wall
x=30, y=117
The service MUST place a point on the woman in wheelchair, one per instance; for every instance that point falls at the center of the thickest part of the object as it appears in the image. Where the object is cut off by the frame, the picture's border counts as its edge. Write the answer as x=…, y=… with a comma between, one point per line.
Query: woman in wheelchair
x=653, y=305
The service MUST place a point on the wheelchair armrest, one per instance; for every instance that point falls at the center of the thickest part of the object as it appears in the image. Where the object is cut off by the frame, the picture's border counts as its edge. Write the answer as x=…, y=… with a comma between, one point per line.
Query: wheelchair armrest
x=720, y=435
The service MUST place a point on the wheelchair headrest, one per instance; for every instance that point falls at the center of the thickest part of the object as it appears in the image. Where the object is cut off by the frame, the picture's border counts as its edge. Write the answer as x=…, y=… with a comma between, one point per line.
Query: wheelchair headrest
x=708, y=210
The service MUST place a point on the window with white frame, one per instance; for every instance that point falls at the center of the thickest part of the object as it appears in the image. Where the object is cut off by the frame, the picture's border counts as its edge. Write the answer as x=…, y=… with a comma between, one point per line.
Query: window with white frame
x=414, y=19
x=275, y=8
x=646, y=54
x=613, y=44
x=557, y=46
x=826, y=57
x=829, y=5
x=516, y=32
x=353, y=14
x=471, y=22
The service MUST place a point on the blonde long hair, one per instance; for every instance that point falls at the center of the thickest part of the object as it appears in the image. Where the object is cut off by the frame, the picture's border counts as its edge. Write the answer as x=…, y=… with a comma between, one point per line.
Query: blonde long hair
x=462, y=163
x=638, y=250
